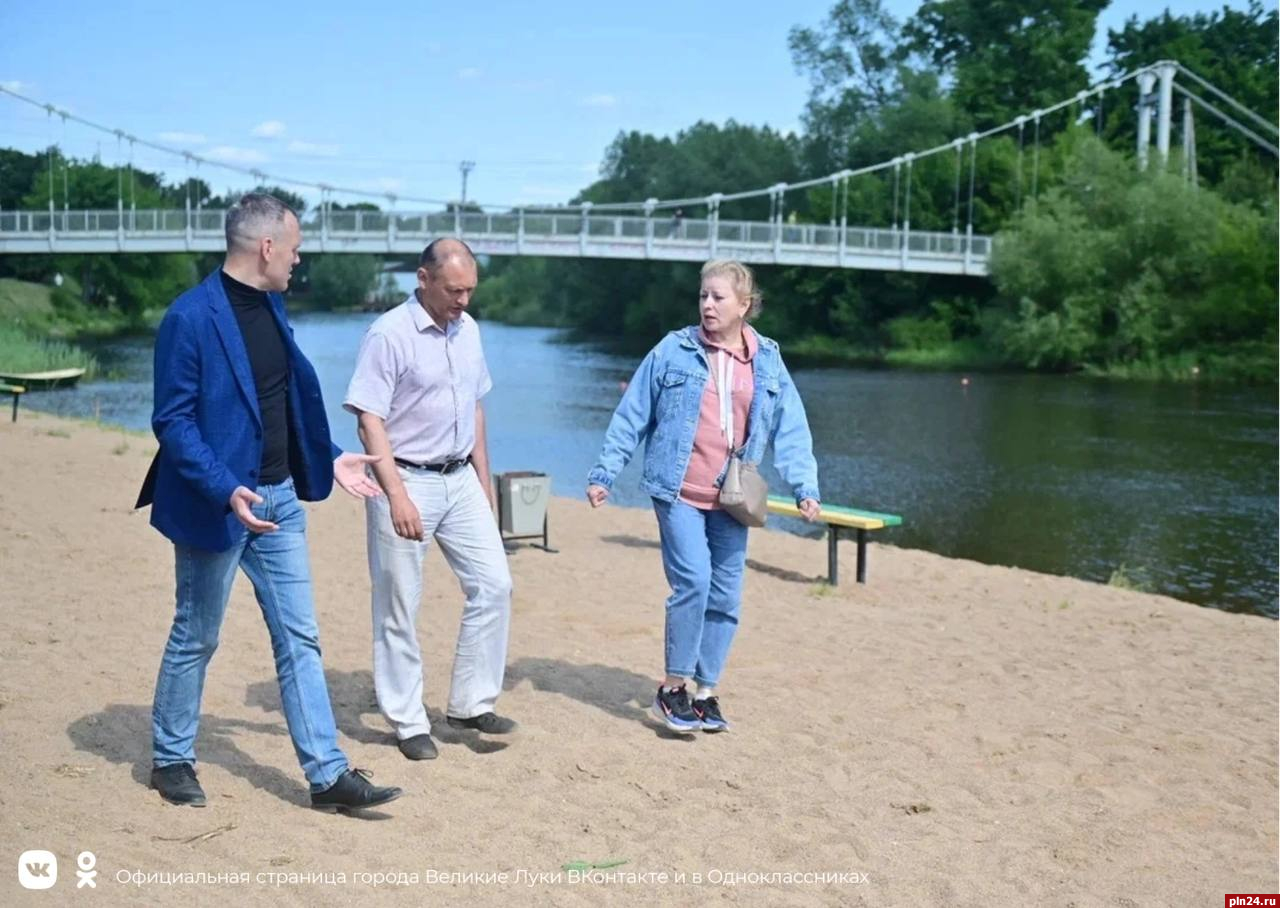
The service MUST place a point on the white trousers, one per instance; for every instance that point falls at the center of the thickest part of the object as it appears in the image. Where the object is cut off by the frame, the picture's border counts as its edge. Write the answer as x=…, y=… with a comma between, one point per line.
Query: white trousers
x=456, y=513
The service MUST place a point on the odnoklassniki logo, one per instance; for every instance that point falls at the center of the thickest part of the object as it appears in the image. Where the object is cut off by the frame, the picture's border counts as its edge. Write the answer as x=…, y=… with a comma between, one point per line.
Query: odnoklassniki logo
x=37, y=869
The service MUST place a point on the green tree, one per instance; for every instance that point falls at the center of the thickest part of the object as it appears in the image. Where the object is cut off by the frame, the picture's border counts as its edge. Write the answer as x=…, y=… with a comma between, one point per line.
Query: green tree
x=1234, y=50
x=341, y=280
x=131, y=283
x=18, y=172
x=853, y=64
x=1007, y=57
x=1115, y=267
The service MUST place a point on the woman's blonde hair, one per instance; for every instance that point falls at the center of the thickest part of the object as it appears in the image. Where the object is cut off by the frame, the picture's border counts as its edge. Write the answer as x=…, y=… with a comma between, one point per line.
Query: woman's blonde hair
x=740, y=278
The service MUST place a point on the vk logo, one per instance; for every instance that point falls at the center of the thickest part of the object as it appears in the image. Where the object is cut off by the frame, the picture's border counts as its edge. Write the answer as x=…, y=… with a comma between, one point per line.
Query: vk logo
x=37, y=869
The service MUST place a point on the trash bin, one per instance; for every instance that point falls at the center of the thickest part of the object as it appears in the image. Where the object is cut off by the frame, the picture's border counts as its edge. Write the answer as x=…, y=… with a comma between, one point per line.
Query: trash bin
x=523, y=497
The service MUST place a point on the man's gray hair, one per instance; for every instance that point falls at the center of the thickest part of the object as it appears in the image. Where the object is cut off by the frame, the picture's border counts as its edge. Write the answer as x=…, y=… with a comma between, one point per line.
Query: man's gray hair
x=256, y=215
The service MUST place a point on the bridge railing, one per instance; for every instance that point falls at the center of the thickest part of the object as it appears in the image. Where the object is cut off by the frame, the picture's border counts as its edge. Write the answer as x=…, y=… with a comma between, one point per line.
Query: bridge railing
x=625, y=229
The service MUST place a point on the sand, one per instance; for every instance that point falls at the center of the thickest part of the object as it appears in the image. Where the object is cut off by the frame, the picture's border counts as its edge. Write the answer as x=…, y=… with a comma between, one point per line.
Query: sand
x=950, y=733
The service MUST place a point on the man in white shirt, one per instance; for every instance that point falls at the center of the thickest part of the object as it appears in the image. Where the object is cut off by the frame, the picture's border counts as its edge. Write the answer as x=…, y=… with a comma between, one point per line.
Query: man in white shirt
x=419, y=378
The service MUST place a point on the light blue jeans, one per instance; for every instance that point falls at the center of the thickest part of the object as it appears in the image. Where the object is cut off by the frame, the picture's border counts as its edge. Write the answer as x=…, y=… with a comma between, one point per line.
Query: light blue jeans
x=703, y=554
x=278, y=566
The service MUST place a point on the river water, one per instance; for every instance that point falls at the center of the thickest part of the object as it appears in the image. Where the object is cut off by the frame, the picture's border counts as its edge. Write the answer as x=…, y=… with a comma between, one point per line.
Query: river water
x=1172, y=485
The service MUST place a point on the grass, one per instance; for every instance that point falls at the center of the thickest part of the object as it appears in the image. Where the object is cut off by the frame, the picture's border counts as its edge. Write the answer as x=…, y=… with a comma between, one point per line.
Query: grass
x=1126, y=578
x=21, y=351
x=1247, y=363
x=960, y=354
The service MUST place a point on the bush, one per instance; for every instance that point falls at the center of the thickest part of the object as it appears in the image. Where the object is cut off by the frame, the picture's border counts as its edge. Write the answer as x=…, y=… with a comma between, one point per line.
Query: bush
x=1116, y=268
x=341, y=280
x=21, y=352
x=908, y=332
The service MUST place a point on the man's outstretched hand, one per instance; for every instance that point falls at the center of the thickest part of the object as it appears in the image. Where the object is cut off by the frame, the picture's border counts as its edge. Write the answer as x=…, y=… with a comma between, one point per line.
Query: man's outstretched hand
x=348, y=472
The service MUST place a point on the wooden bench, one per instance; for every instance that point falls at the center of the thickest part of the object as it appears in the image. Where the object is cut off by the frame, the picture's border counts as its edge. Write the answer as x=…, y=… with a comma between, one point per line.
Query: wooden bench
x=837, y=518
x=17, y=391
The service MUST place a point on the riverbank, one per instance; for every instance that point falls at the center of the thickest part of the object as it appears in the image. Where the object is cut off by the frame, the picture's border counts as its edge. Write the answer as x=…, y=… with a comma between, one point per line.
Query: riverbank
x=960, y=733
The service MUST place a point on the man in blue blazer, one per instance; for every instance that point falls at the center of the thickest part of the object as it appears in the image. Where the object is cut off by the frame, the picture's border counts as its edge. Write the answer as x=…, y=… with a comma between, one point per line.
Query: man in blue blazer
x=243, y=440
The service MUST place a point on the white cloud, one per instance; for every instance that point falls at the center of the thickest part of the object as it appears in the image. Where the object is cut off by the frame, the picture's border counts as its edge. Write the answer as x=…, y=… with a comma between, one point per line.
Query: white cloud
x=269, y=129
x=470, y=72
x=183, y=138
x=229, y=154
x=599, y=100
x=313, y=149
x=15, y=85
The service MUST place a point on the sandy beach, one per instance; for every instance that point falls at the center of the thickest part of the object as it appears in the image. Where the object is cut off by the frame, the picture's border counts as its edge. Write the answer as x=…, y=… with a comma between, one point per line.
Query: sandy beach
x=949, y=734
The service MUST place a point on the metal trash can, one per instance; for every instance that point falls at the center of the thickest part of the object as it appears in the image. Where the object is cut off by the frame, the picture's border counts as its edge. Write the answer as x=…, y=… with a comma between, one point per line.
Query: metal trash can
x=523, y=497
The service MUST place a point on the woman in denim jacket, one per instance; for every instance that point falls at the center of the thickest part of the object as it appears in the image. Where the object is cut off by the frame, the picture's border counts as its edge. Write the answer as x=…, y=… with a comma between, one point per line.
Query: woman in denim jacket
x=675, y=405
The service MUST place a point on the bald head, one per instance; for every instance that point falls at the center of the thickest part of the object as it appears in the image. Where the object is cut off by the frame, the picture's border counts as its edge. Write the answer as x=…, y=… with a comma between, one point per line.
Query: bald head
x=443, y=250
x=446, y=279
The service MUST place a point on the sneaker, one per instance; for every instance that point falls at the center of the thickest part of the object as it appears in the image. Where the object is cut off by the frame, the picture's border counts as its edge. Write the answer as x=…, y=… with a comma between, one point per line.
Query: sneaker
x=352, y=791
x=708, y=711
x=177, y=784
x=490, y=723
x=672, y=709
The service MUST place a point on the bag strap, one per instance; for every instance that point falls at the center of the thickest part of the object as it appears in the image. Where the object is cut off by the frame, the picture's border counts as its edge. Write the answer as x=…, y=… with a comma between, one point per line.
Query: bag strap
x=724, y=385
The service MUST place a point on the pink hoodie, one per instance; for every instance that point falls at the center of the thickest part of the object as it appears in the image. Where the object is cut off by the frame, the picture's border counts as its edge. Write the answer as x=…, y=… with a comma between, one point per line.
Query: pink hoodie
x=710, y=450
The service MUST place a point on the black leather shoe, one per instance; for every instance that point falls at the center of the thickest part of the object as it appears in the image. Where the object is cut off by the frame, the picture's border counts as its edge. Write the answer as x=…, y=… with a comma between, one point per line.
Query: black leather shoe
x=419, y=747
x=353, y=791
x=489, y=723
x=177, y=784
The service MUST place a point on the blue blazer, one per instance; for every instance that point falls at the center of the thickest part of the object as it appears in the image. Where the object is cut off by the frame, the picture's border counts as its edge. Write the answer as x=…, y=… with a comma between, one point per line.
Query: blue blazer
x=206, y=419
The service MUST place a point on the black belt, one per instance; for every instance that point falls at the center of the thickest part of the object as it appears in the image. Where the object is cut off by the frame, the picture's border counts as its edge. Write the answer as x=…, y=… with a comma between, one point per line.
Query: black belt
x=446, y=468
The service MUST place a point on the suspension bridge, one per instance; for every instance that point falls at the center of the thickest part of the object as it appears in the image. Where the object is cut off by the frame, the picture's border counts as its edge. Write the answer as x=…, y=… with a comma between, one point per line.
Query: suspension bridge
x=650, y=228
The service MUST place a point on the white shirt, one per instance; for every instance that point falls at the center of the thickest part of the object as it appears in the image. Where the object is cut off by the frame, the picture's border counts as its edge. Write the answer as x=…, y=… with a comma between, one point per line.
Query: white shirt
x=424, y=383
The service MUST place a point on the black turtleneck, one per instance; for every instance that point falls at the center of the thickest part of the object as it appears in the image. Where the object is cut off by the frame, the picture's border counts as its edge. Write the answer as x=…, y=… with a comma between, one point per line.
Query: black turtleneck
x=270, y=366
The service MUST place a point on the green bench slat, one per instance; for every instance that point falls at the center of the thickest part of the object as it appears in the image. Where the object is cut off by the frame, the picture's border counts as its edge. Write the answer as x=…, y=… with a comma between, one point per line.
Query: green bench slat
x=889, y=520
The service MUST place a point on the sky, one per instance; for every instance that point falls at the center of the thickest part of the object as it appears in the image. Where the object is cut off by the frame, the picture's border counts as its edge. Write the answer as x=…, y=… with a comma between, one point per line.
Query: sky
x=390, y=97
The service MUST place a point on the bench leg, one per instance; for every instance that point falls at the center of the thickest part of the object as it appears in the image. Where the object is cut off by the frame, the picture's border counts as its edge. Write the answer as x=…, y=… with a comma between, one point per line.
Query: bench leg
x=833, y=564
x=15, y=409
x=862, y=556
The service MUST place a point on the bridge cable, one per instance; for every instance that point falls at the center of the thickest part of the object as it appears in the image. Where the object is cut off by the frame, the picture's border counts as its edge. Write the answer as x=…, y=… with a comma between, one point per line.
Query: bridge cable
x=844, y=207
x=896, y=164
x=132, y=205
x=65, y=203
x=1035, y=161
x=1229, y=120
x=50, y=155
x=955, y=207
x=119, y=174
x=973, y=165
x=906, y=217
x=1017, y=192
x=1230, y=100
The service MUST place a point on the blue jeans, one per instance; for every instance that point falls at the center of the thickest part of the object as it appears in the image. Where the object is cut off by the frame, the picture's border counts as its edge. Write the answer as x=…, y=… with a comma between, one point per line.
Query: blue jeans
x=703, y=555
x=278, y=567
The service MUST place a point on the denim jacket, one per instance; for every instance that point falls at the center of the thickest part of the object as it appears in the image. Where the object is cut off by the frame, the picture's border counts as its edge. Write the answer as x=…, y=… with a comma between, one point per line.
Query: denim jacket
x=662, y=405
